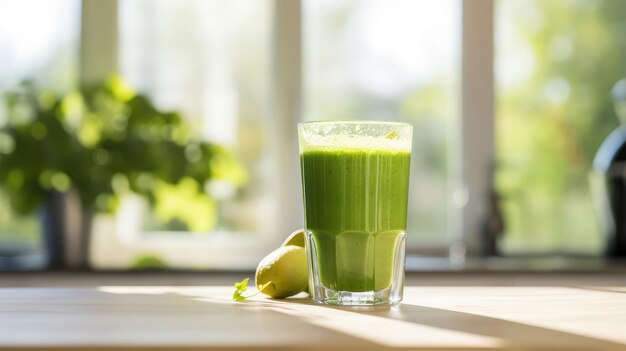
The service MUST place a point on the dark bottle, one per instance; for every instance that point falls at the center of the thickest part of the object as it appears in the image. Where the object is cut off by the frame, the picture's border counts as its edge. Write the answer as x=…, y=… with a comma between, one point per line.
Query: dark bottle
x=609, y=180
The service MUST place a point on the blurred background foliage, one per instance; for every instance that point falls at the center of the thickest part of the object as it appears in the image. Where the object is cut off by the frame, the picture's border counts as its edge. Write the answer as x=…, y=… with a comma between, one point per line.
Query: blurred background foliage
x=557, y=62
x=105, y=142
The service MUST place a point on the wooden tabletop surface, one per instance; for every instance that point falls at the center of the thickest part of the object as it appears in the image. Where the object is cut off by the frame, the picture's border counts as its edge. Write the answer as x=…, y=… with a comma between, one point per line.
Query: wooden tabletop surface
x=546, y=316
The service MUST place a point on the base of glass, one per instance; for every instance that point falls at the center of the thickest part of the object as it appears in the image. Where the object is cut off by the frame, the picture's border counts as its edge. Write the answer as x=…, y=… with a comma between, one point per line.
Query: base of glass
x=394, y=280
x=350, y=298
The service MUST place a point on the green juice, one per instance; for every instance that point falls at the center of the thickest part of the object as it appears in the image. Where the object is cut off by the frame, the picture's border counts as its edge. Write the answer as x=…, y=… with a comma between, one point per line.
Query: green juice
x=355, y=210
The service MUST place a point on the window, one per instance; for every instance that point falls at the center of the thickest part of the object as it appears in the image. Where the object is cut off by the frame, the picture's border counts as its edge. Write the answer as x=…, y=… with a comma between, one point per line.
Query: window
x=212, y=61
x=379, y=60
x=556, y=63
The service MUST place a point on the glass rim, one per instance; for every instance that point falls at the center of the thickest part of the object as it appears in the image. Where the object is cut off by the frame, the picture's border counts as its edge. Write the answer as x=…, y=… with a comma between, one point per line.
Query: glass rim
x=363, y=122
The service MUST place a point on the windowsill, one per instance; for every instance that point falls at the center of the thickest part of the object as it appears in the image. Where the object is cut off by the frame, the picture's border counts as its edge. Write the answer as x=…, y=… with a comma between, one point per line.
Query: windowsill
x=414, y=264
x=551, y=264
x=431, y=277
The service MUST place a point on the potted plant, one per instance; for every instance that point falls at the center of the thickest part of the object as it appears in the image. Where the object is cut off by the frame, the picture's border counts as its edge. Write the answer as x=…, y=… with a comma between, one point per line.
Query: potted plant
x=92, y=147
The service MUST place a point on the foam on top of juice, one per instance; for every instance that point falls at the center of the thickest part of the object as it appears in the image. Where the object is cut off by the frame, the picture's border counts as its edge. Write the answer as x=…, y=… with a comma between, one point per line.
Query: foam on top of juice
x=354, y=143
x=394, y=138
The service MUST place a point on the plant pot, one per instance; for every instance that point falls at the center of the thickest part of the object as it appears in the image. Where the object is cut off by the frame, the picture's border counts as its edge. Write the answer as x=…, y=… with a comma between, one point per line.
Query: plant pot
x=66, y=229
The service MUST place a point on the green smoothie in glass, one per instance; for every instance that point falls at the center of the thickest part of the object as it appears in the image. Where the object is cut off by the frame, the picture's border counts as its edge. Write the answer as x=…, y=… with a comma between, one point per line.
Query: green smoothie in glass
x=355, y=178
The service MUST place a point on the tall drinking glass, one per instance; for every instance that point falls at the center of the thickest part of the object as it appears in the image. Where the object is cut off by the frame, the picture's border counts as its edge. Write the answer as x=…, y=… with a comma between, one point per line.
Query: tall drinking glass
x=355, y=180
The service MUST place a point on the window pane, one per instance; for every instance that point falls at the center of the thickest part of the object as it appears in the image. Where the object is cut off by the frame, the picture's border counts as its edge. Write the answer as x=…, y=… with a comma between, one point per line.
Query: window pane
x=39, y=43
x=392, y=60
x=556, y=63
x=209, y=60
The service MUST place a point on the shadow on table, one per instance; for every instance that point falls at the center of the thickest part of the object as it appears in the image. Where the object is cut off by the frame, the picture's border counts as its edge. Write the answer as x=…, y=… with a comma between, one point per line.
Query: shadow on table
x=301, y=313
x=502, y=333
x=509, y=334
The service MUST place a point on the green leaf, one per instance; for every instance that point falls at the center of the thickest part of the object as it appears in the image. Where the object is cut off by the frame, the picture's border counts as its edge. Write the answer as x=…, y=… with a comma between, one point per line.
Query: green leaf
x=240, y=287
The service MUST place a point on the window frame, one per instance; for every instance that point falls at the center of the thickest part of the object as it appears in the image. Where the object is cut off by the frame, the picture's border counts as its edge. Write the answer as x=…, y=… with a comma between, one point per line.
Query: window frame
x=477, y=123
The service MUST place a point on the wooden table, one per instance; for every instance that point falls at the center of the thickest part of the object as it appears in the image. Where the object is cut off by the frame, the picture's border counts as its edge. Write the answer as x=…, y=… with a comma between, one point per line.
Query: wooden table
x=524, y=317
